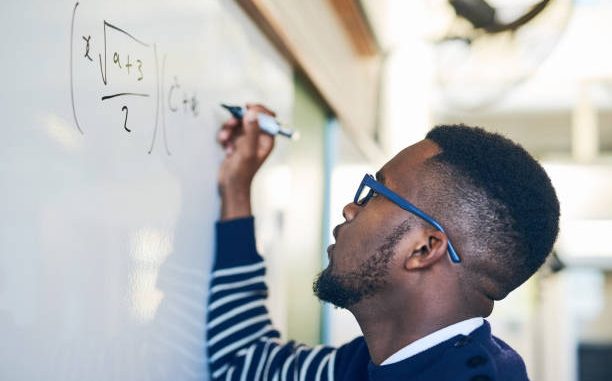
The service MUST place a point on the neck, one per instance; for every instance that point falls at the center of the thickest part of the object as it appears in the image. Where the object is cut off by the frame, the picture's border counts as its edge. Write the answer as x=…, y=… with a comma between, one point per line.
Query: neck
x=389, y=329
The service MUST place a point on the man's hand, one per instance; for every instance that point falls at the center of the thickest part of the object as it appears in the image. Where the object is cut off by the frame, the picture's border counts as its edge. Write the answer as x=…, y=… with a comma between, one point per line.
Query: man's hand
x=246, y=148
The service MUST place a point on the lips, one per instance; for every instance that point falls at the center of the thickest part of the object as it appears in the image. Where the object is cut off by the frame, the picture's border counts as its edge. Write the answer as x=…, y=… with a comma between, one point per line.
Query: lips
x=336, y=230
x=330, y=250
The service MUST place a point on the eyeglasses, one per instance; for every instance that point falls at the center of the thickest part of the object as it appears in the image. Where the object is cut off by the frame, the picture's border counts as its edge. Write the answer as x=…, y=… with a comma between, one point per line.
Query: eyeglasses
x=370, y=187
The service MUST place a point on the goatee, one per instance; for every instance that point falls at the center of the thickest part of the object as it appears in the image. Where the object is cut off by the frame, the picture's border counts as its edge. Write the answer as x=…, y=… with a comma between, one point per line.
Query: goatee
x=348, y=289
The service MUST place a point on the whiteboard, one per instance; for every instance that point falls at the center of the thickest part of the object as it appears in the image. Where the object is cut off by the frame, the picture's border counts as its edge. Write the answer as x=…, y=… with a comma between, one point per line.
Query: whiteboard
x=108, y=169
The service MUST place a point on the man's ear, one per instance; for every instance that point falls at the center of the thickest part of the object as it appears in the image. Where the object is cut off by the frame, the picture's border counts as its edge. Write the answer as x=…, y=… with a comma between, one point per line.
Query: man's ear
x=429, y=247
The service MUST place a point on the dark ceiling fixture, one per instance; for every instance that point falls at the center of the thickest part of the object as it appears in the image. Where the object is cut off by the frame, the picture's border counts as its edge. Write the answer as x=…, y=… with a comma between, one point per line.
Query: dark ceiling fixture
x=484, y=51
x=483, y=16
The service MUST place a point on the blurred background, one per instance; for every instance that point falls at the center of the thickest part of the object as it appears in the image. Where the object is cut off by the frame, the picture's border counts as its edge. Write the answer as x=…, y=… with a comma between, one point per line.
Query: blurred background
x=373, y=76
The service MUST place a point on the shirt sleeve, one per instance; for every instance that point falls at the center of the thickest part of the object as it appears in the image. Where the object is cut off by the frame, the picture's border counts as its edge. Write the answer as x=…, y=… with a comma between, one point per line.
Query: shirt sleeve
x=241, y=340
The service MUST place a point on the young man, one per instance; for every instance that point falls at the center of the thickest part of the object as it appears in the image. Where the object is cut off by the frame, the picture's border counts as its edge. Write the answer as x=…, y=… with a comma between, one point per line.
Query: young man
x=447, y=227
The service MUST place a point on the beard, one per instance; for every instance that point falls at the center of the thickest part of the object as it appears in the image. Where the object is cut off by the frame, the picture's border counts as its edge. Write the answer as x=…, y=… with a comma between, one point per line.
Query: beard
x=347, y=289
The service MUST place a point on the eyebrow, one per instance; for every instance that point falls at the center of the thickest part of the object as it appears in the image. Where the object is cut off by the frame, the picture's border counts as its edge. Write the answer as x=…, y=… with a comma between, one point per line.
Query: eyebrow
x=380, y=177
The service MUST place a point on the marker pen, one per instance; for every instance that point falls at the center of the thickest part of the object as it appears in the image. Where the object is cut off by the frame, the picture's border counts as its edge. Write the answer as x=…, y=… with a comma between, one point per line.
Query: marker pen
x=266, y=122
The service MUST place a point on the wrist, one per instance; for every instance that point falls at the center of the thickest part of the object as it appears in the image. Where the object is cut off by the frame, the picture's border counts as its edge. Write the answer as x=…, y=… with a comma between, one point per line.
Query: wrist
x=235, y=203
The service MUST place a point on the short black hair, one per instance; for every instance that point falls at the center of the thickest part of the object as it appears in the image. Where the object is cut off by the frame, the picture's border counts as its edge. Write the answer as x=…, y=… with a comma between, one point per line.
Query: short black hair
x=502, y=198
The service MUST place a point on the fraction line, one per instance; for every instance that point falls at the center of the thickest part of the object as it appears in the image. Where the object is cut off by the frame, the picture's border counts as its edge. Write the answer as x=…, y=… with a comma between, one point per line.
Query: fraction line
x=124, y=94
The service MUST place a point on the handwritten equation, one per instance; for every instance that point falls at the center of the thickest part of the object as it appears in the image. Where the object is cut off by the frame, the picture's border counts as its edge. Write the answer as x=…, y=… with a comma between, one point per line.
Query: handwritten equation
x=124, y=59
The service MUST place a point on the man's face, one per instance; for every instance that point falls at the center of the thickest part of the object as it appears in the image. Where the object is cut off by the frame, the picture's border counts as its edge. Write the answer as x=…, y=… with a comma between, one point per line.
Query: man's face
x=361, y=259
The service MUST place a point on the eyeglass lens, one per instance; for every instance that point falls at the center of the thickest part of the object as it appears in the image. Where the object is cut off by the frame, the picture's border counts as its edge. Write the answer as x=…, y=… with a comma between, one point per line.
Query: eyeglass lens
x=364, y=195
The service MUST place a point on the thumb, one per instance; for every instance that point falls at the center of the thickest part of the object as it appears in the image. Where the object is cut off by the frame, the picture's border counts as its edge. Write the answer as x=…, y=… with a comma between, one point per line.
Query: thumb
x=248, y=142
x=264, y=146
x=251, y=124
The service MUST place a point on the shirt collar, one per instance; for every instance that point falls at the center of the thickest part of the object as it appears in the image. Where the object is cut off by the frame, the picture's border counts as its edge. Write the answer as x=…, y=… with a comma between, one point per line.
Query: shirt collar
x=464, y=327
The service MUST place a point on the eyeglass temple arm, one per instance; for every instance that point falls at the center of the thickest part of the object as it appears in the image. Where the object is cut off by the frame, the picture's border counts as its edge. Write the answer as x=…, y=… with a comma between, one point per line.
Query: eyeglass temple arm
x=412, y=209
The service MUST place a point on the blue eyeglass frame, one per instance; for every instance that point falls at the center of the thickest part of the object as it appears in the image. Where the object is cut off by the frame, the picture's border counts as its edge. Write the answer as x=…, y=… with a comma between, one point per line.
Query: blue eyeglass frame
x=375, y=186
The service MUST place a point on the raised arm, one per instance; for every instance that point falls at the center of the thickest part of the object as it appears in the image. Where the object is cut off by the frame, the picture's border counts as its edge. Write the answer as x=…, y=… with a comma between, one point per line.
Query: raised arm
x=246, y=148
x=242, y=343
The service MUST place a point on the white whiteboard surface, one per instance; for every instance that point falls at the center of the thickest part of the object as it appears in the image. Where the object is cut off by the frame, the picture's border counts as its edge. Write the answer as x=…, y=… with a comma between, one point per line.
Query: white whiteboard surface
x=106, y=234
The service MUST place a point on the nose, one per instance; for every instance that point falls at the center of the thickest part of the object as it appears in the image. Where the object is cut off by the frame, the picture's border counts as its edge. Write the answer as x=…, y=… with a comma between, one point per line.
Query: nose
x=349, y=211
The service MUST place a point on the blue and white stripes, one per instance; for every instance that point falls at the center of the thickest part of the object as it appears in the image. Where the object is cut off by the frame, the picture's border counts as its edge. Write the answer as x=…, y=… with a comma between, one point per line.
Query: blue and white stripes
x=242, y=343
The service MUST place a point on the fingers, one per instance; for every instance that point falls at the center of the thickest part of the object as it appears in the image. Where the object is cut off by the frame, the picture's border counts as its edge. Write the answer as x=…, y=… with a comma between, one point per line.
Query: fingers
x=250, y=125
x=260, y=108
x=232, y=127
x=228, y=129
x=265, y=145
x=226, y=137
x=245, y=136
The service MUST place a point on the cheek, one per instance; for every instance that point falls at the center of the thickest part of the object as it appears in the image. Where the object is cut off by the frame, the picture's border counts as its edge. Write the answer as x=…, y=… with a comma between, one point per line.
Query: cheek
x=356, y=243
x=396, y=274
